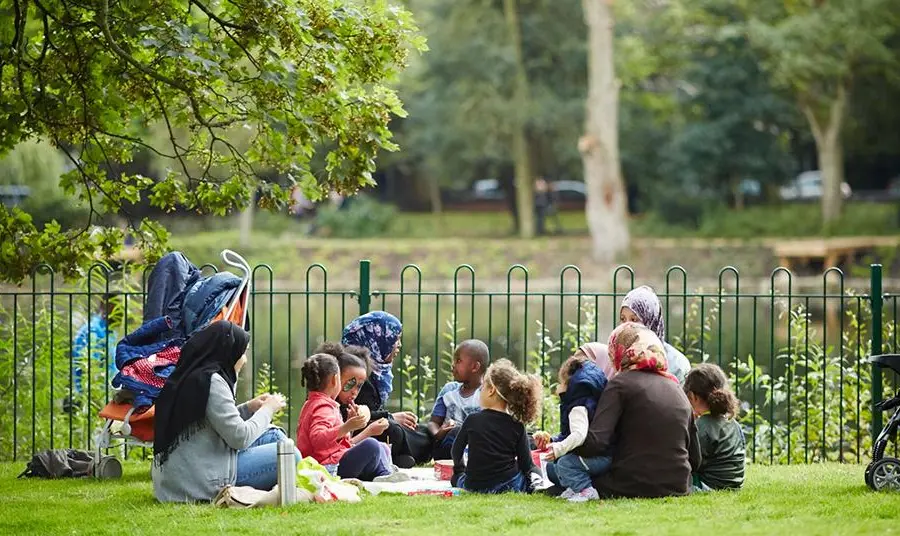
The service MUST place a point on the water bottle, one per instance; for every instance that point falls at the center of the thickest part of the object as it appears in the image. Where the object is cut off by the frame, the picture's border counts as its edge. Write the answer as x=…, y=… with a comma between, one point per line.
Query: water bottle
x=287, y=473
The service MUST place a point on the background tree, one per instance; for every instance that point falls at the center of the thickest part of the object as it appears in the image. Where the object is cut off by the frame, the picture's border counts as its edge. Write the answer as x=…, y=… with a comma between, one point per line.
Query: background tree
x=815, y=50
x=304, y=78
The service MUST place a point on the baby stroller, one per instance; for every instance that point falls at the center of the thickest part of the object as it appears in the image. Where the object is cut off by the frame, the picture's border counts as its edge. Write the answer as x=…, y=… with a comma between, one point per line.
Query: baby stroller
x=884, y=471
x=130, y=424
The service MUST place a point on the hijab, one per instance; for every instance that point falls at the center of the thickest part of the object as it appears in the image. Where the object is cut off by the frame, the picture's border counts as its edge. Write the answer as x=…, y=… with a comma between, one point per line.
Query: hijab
x=635, y=347
x=379, y=332
x=181, y=406
x=600, y=354
x=646, y=305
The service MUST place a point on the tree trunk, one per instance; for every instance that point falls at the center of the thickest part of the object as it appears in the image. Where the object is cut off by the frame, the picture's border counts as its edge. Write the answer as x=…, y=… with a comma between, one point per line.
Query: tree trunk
x=827, y=133
x=521, y=159
x=607, y=202
x=434, y=194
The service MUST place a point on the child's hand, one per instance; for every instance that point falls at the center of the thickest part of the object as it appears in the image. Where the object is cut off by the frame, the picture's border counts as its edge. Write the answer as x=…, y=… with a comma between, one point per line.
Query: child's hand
x=551, y=455
x=378, y=427
x=542, y=439
x=357, y=422
x=445, y=428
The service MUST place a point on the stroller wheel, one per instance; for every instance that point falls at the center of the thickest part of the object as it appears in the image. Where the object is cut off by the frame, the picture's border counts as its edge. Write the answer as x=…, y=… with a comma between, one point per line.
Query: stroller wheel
x=868, y=476
x=885, y=474
x=109, y=468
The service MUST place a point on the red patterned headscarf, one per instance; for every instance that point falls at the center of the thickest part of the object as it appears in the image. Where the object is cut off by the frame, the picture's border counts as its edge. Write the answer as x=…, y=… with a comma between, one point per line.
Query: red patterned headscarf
x=635, y=347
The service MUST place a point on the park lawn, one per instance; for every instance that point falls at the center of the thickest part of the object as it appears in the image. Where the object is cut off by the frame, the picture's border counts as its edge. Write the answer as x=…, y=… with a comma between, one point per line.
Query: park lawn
x=813, y=499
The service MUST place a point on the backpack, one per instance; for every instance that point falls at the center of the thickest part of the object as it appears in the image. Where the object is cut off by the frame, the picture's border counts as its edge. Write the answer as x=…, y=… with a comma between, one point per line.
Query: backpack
x=60, y=463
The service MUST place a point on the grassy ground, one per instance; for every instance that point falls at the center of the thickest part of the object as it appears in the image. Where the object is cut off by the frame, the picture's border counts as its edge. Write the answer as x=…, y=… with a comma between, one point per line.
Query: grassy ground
x=817, y=499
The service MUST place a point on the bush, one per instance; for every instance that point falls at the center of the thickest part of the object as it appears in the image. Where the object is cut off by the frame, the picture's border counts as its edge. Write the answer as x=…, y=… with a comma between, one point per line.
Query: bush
x=359, y=217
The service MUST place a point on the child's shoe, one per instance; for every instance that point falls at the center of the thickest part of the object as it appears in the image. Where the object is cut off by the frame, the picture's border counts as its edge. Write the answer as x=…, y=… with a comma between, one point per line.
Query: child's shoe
x=585, y=495
x=567, y=494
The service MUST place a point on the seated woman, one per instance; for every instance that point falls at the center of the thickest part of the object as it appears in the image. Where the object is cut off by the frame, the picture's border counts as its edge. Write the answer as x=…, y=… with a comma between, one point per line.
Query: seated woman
x=379, y=333
x=642, y=306
x=203, y=440
x=644, y=412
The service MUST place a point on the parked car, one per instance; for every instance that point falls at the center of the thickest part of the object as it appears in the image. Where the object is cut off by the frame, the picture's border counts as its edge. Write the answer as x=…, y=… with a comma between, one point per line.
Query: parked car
x=565, y=190
x=808, y=185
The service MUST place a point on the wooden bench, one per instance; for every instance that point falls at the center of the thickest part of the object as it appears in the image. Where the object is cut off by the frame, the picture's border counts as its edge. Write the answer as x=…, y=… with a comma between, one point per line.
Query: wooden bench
x=831, y=251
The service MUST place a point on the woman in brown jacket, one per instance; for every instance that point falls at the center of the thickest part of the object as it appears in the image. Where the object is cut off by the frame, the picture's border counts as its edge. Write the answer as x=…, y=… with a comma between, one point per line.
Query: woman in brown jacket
x=644, y=420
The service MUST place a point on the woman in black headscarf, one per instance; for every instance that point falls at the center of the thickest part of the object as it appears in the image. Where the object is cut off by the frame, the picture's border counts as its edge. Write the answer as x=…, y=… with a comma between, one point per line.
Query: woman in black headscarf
x=203, y=440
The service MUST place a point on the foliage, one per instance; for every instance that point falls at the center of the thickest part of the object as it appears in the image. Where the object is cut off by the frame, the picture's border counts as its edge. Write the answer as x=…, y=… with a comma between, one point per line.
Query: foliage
x=265, y=384
x=361, y=218
x=301, y=79
x=40, y=406
x=38, y=166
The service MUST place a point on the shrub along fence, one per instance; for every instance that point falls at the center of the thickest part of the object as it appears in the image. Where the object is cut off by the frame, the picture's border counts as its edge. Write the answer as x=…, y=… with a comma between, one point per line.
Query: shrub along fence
x=797, y=357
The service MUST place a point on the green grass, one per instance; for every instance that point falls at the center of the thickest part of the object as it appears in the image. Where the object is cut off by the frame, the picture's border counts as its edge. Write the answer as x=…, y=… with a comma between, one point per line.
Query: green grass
x=816, y=499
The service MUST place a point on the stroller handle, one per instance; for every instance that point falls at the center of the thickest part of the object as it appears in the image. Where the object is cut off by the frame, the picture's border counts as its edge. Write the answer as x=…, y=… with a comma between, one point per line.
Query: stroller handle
x=233, y=259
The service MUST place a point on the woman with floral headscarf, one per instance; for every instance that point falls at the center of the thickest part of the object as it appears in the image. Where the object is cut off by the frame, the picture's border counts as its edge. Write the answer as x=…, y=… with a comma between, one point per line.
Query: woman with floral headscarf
x=642, y=306
x=379, y=334
x=645, y=412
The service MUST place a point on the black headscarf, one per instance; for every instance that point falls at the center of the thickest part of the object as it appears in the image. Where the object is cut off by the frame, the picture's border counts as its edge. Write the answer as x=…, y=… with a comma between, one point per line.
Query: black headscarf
x=181, y=406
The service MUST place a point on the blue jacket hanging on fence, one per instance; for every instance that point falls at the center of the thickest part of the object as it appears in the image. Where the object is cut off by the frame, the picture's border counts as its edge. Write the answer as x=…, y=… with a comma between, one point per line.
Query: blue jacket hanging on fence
x=102, y=350
x=144, y=341
x=206, y=297
x=167, y=285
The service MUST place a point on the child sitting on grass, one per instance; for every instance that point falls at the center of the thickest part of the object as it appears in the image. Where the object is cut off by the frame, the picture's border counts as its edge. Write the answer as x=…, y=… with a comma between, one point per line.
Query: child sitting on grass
x=323, y=434
x=499, y=457
x=721, y=438
x=459, y=398
x=581, y=382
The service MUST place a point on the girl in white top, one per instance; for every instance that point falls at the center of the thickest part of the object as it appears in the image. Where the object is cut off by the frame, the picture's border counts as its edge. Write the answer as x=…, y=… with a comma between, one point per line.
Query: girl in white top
x=581, y=381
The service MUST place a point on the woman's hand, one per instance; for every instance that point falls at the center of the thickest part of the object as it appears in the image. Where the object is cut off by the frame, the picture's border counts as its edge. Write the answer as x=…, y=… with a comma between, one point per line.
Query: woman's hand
x=256, y=403
x=541, y=439
x=275, y=402
x=407, y=419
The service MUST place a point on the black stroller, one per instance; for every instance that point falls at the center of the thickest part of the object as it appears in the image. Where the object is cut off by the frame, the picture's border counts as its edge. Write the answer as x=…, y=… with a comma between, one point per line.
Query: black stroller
x=884, y=472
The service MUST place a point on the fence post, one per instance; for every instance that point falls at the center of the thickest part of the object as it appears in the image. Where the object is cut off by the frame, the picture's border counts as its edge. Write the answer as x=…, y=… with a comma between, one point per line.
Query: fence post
x=365, y=293
x=877, y=305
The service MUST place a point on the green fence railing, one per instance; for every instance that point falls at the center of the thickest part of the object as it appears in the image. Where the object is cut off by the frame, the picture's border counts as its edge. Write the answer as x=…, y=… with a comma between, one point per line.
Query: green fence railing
x=796, y=349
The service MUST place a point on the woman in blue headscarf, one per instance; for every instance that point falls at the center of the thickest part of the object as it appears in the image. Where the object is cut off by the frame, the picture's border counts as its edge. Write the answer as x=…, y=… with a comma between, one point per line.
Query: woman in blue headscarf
x=379, y=333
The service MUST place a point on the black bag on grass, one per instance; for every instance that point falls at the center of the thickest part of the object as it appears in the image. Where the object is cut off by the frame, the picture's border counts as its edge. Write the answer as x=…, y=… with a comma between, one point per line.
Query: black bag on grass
x=60, y=463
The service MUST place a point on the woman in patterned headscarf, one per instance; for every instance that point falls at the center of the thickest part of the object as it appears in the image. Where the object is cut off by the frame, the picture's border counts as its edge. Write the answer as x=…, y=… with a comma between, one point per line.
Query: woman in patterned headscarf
x=379, y=333
x=644, y=413
x=642, y=306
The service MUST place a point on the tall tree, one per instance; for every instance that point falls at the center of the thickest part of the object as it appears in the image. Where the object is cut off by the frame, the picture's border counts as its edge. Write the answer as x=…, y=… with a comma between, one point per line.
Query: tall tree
x=607, y=202
x=815, y=49
x=521, y=103
x=305, y=78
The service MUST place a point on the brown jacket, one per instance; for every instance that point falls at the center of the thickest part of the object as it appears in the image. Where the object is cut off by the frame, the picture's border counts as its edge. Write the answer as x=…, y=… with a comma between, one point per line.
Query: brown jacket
x=647, y=420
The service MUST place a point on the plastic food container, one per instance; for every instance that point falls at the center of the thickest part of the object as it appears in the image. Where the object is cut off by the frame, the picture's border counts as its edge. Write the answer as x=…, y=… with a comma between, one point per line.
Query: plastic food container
x=443, y=469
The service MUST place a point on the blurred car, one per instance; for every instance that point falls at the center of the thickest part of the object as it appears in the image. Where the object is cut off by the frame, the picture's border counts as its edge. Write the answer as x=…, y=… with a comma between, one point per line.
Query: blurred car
x=565, y=190
x=808, y=185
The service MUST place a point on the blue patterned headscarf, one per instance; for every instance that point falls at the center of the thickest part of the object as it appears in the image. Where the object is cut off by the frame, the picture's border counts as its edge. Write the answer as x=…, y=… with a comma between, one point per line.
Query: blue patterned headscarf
x=379, y=332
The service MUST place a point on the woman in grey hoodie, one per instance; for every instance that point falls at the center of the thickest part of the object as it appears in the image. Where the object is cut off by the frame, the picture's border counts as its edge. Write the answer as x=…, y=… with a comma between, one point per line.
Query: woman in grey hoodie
x=203, y=440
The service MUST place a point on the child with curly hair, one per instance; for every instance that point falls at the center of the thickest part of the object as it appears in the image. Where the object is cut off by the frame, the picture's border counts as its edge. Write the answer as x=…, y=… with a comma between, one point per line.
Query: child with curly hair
x=499, y=455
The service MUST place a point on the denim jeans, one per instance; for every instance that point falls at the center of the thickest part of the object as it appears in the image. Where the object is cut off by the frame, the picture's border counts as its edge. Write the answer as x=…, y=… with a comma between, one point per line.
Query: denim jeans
x=573, y=471
x=517, y=483
x=257, y=465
